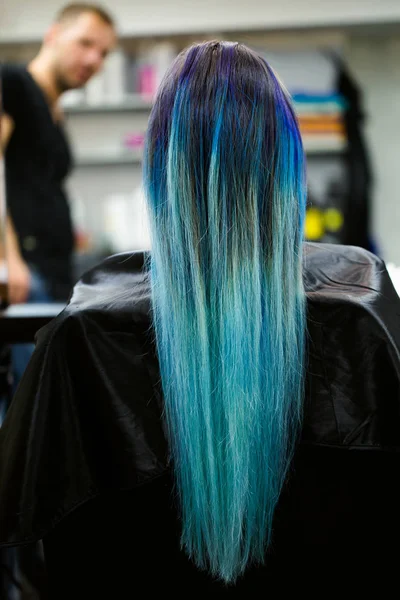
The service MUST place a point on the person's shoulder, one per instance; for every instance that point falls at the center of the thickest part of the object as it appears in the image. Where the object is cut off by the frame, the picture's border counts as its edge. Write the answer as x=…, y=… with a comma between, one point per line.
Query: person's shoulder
x=120, y=283
x=12, y=69
x=114, y=295
x=334, y=271
x=354, y=341
x=117, y=280
x=14, y=85
x=12, y=74
x=350, y=284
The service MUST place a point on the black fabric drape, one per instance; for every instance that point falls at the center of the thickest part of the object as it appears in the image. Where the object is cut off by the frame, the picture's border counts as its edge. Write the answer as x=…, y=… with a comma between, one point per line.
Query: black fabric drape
x=84, y=457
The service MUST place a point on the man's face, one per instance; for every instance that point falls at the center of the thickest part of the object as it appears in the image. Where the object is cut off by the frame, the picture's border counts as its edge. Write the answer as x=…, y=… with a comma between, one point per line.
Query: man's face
x=79, y=49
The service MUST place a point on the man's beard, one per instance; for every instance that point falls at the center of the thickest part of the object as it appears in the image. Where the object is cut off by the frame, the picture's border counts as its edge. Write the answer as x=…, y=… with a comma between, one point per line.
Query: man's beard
x=63, y=85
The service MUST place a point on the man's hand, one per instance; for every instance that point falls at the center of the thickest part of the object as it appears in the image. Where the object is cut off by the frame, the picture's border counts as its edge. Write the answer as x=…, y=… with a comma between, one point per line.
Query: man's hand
x=19, y=280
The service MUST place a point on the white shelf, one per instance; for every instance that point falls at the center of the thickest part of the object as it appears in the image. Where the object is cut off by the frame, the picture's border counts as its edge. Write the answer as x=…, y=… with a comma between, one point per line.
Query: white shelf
x=135, y=102
x=324, y=146
x=103, y=160
x=131, y=103
x=138, y=103
x=16, y=311
x=135, y=158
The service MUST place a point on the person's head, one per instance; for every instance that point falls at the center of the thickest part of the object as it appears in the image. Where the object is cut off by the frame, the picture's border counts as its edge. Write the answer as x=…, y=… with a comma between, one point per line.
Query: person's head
x=225, y=180
x=77, y=44
x=223, y=137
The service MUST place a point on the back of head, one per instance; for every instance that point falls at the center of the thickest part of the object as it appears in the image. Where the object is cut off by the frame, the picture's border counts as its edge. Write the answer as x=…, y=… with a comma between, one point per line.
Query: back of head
x=225, y=182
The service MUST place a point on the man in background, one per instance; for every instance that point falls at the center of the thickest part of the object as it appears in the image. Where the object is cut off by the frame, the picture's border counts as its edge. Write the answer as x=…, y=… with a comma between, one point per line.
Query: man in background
x=40, y=239
x=39, y=236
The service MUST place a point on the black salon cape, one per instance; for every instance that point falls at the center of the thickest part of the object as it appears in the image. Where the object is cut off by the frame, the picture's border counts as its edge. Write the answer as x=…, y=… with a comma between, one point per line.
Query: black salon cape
x=86, y=423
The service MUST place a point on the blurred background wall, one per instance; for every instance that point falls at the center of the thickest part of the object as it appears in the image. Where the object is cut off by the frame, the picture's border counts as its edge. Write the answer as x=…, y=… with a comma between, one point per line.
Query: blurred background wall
x=301, y=39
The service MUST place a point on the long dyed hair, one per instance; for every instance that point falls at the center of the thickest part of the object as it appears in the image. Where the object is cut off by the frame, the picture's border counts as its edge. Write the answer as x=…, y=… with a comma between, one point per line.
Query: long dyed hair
x=224, y=176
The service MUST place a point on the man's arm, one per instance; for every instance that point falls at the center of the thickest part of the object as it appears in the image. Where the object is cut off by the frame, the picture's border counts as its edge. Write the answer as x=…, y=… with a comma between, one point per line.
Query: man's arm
x=19, y=278
x=6, y=128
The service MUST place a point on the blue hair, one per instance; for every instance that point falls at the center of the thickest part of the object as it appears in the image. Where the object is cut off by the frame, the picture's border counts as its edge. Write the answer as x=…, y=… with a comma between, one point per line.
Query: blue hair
x=224, y=175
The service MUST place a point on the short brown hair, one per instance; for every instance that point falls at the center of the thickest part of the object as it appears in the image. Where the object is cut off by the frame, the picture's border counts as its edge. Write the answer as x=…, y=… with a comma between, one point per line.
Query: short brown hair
x=74, y=10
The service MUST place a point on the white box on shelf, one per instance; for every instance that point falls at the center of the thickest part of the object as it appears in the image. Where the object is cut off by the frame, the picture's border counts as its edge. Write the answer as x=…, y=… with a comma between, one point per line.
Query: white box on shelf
x=73, y=98
x=95, y=90
x=115, y=78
